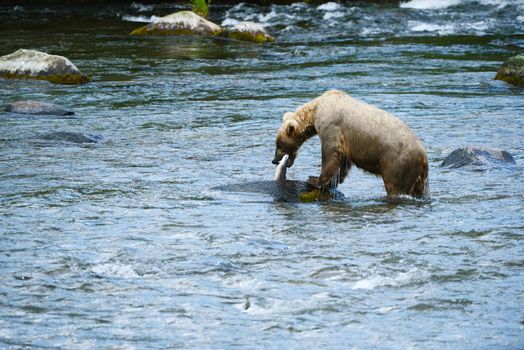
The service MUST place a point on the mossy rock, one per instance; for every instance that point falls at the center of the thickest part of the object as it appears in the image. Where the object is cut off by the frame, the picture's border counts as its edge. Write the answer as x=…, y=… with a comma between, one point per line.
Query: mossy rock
x=147, y=30
x=68, y=79
x=32, y=64
x=180, y=23
x=315, y=195
x=250, y=31
x=512, y=71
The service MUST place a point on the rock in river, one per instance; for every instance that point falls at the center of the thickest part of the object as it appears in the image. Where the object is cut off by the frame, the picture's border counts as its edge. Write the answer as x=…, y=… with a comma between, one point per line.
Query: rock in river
x=180, y=23
x=250, y=31
x=32, y=64
x=36, y=107
x=283, y=190
x=512, y=71
x=477, y=156
x=68, y=136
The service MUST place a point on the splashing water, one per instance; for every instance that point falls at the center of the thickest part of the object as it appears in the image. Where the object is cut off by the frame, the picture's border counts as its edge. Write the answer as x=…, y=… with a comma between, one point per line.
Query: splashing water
x=335, y=181
x=429, y=5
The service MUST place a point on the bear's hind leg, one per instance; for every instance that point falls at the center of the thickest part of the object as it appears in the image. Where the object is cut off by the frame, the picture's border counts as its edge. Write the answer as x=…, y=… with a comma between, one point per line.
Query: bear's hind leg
x=421, y=188
x=392, y=190
x=411, y=179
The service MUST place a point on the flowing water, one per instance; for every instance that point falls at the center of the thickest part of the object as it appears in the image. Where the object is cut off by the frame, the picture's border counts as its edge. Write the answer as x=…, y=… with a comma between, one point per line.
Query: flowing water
x=122, y=244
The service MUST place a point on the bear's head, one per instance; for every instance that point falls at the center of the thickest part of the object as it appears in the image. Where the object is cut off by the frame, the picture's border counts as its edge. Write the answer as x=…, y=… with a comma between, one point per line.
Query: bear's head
x=288, y=139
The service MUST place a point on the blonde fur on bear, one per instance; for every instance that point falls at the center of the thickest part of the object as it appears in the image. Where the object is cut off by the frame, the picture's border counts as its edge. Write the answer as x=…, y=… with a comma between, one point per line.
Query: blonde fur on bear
x=353, y=132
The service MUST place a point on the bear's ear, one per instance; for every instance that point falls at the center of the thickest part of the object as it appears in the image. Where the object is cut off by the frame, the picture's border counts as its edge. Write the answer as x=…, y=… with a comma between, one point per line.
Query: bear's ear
x=291, y=128
x=287, y=116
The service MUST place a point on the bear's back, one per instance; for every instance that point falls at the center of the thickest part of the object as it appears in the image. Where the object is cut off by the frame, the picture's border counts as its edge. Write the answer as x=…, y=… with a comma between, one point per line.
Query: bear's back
x=365, y=127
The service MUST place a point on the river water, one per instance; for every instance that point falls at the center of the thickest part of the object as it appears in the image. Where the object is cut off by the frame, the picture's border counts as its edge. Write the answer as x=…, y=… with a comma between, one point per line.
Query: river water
x=122, y=244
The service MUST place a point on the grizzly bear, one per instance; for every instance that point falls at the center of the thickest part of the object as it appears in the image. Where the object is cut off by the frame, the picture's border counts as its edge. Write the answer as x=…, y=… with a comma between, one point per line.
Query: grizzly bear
x=353, y=132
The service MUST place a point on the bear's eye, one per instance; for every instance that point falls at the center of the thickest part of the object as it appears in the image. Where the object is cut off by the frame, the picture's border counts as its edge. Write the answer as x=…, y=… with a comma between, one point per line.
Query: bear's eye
x=283, y=145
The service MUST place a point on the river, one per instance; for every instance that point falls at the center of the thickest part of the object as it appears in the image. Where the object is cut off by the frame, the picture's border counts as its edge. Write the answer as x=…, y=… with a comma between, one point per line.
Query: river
x=123, y=244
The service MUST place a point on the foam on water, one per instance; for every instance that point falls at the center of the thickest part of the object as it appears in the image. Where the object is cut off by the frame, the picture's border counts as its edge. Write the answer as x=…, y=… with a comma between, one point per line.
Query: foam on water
x=229, y=22
x=141, y=19
x=115, y=270
x=433, y=18
x=329, y=15
x=402, y=279
x=237, y=7
x=445, y=29
x=502, y=3
x=443, y=4
x=267, y=17
x=141, y=7
x=429, y=4
x=480, y=26
x=330, y=6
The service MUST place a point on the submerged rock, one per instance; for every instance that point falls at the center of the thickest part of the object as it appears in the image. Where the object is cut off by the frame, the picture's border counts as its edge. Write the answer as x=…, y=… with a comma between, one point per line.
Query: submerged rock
x=250, y=31
x=68, y=136
x=179, y=23
x=282, y=191
x=477, y=156
x=512, y=71
x=37, y=108
x=32, y=64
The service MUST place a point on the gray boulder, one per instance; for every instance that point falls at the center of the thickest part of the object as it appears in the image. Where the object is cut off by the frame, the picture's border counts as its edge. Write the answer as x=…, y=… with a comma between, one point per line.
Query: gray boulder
x=37, y=108
x=477, y=157
x=68, y=136
x=180, y=23
x=32, y=64
x=283, y=190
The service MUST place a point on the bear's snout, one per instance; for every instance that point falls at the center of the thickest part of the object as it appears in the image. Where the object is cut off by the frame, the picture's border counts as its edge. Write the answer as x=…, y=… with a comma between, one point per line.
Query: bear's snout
x=278, y=157
x=289, y=161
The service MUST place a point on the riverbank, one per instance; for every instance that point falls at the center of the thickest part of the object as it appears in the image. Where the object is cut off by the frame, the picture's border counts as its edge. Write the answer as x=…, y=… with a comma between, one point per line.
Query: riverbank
x=214, y=2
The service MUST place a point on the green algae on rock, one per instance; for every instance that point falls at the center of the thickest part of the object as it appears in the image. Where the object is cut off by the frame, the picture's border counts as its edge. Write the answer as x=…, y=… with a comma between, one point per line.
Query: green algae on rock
x=32, y=64
x=180, y=23
x=250, y=31
x=512, y=71
x=316, y=195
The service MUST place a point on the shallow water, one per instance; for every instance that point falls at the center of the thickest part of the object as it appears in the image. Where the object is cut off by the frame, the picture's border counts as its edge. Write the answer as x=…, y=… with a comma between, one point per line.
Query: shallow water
x=122, y=244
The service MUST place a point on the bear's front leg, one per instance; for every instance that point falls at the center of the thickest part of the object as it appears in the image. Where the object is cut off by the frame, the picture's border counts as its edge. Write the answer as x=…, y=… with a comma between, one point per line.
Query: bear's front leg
x=330, y=169
x=313, y=181
x=332, y=157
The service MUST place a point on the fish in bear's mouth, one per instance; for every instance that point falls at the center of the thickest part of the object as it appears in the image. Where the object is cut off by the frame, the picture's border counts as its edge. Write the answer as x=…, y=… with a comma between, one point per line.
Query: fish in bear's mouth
x=280, y=171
